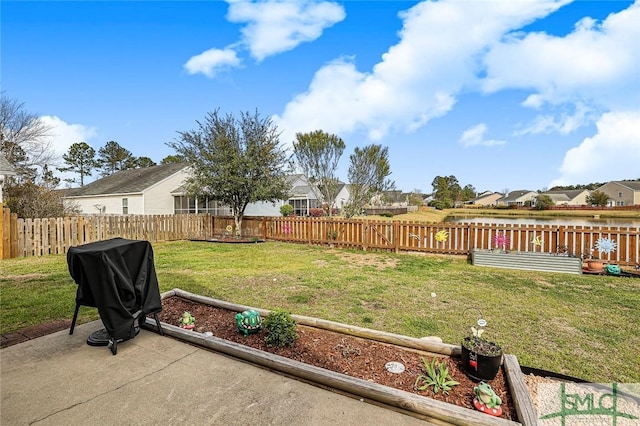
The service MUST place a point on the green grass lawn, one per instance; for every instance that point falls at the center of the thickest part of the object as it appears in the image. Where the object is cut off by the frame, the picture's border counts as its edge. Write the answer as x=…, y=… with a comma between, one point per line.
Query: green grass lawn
x=584, y=326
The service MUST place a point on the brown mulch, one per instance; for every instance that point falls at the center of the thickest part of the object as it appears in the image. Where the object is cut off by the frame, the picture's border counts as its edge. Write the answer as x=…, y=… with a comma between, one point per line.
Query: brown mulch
x=353, y=356
x=33, y=332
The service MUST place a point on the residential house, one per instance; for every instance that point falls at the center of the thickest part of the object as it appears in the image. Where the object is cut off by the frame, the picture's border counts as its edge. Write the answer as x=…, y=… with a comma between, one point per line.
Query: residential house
x=135, y=191
x=304, y=197
x=160, y=190
x=521, y=197
x=573, y=197
x=622, y=192
x=6, y=169
x=487, y=198
x=395, y=198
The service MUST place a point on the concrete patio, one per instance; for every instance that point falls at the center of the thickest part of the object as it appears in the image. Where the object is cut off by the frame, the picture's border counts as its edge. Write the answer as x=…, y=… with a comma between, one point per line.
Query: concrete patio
x=58, y=379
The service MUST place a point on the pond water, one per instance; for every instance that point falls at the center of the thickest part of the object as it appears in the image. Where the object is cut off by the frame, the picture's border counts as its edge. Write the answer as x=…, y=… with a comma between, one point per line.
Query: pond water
x=566, y=221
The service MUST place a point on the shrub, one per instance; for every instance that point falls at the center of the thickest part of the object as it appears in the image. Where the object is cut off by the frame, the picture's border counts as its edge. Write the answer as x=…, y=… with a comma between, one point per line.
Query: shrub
x=286, y=210
x=316, y=212
x=386, y=214
x=544, y=202
x=281, y=329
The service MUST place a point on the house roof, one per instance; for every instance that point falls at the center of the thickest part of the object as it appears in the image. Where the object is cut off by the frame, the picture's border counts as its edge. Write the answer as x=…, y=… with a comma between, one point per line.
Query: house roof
x=564, y=195
x=128, y=181
x=300, y=191
x=514, y=195
x=5, y=167
x=557, y=197
x=631, y=184
x=488, y=194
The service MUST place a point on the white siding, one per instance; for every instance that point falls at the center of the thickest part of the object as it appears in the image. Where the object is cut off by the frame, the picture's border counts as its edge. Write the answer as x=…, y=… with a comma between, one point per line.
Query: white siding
x=111, y=204
x=158, y=198
x=264, y=209
x=342, y=198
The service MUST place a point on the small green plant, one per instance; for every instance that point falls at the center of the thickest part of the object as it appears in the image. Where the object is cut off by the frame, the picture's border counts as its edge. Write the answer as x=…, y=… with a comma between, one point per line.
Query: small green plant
x=386, y=214
x=437, y=376
x=286, y=210
x=281, y=329
x=332, y=234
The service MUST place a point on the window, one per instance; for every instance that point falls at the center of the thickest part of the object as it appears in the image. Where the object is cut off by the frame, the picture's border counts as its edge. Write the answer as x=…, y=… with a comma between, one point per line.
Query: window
x=185, y=205
x=125, y=206
x=619, y=194
x=619, y=203
x=301, y=206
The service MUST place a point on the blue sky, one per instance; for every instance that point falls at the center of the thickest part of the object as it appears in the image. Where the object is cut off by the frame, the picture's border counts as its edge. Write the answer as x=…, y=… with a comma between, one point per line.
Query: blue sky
x=502, y=94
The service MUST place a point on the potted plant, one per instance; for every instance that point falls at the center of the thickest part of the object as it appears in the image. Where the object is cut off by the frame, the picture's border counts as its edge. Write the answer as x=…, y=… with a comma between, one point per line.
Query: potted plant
x=593, y=263
x=604, y=246
x=481, y=358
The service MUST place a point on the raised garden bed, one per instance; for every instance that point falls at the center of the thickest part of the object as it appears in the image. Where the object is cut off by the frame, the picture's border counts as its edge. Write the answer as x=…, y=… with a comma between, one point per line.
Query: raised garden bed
x=518, y=398
x=527, y=260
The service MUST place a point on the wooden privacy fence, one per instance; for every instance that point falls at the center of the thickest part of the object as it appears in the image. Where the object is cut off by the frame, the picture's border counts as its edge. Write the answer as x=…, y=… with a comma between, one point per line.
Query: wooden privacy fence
x=456, y=238
x=38, y=237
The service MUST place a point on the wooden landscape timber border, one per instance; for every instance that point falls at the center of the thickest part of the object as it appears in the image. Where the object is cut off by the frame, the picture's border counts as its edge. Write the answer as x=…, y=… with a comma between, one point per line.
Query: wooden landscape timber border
x=434, y=410
x=529, y=261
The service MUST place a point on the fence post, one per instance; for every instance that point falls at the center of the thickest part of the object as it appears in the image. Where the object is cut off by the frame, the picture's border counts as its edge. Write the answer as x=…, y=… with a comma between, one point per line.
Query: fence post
x=396, y=237
x=5, y=233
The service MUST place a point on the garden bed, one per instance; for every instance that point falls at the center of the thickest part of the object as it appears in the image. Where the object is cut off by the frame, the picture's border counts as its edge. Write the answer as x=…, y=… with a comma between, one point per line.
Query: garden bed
x=532, y=261
x=331, y=354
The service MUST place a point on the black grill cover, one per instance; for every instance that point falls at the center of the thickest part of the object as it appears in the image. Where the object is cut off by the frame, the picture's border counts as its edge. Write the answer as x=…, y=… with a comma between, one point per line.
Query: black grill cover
x=118, y=277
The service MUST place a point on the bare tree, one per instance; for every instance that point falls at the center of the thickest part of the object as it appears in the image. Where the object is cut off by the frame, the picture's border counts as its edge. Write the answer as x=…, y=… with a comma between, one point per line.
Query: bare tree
x=317, y=154
x=24, y=138
x=368, y=174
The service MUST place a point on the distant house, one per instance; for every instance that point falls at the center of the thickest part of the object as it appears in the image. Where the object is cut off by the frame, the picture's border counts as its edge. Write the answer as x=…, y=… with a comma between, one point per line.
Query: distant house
x=6, y=169
x=622, y=192
x=135, y=191
x=160, y=190
x=395, y=198
x=573, y=197
x=518, y=198
x=304, y=196
x=487, y=198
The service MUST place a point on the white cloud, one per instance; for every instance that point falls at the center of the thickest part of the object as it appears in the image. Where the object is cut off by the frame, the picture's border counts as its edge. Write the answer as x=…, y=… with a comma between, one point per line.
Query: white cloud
x=596, y=63
x=474, y=136
x=613, y=153
x=564, y=124
x=62, y=134
x=277, y=26
x=418, y=78
x=272, y=27
x=212, y=61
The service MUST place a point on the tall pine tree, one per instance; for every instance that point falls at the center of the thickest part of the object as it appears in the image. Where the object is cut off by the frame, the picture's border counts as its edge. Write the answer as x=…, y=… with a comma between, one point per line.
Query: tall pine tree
x=80, y=159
